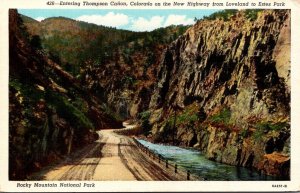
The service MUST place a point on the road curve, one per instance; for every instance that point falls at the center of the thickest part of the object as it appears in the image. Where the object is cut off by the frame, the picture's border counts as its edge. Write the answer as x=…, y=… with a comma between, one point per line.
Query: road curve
x=113, y=157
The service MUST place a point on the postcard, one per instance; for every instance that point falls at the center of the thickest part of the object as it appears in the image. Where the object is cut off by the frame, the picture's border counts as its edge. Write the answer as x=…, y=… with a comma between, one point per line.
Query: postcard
x=188, y=95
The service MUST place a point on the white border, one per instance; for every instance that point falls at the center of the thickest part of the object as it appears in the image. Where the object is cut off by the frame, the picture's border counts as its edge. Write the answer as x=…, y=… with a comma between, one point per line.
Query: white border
x=292, y=185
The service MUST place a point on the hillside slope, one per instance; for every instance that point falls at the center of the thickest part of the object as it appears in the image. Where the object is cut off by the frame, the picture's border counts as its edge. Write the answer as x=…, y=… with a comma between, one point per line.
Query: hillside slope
x=116, y=65
x=50, y=115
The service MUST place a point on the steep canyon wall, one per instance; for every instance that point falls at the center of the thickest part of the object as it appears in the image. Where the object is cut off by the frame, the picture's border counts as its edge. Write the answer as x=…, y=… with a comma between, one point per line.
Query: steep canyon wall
x=226, y=85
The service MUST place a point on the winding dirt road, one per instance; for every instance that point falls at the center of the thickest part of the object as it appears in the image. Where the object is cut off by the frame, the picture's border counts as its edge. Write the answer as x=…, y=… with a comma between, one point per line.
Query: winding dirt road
x=112, y=157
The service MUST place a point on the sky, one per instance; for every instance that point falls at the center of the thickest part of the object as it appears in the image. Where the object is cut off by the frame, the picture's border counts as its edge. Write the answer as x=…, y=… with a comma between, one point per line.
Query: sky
x=134, y=20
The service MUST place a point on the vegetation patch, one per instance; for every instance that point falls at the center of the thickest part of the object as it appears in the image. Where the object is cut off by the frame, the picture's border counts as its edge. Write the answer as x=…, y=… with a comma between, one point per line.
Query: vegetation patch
x=30, y=93
x=68, y=111
x=264, y=127
x=268, y=126
x=224, y=14
x=222, y=117
x=250, y=14
x=187, y=117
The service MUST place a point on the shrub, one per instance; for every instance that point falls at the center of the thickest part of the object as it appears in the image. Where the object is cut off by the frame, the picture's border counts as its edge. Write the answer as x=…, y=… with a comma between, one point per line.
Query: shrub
x=222, y=117
x=268, y=126
x=189, y=115
x=187, y=118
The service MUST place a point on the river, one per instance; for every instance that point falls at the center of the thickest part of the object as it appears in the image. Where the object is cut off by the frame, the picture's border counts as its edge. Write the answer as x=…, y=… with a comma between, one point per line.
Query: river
x=195, y=161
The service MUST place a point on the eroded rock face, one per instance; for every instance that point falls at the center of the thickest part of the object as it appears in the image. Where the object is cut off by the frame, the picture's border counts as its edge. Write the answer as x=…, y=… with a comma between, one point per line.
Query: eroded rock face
x=238, y=65
x=275, y=163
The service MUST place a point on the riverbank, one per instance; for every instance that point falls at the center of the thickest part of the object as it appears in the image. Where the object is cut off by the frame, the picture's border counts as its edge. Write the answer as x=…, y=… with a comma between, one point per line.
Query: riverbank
x=113, y=157
x=194, y=161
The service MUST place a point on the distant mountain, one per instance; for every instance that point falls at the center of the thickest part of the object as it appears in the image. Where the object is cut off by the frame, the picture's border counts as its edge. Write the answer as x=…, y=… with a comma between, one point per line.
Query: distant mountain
x=75, y=42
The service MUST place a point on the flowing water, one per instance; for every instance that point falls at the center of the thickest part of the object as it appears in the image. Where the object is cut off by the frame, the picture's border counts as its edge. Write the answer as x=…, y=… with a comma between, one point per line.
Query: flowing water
x=196, y=162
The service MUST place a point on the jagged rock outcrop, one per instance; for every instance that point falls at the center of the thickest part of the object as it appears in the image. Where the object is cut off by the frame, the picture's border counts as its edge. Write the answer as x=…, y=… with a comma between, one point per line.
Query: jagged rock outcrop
x=229, y=83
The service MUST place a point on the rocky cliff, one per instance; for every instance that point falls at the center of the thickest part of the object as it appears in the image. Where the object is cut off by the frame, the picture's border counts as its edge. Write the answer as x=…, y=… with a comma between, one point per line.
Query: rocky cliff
x=224, y=88
x=50, y=115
